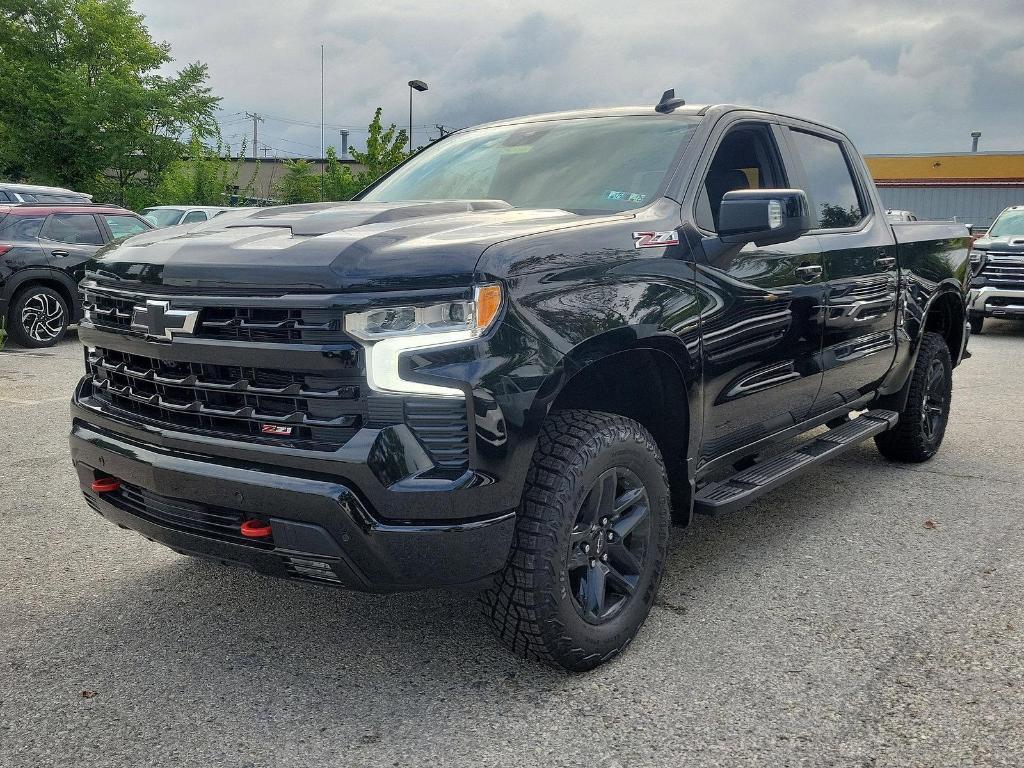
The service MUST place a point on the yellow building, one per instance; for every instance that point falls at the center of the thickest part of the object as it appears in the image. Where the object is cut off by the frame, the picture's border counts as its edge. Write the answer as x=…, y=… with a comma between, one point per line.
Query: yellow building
x=972, y=187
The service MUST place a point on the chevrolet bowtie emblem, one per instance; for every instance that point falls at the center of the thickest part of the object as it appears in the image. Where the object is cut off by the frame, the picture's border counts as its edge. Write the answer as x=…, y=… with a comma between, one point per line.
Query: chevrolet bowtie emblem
x=158, y=321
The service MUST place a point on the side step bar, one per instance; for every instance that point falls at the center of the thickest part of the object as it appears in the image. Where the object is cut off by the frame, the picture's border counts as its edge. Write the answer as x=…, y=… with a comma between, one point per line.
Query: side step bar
x=717, y=498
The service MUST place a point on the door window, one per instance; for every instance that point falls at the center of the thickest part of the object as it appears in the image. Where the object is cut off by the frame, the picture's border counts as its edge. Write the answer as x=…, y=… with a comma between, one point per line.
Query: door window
x=74, y=228
x=193, y=216
x=746, y=159
x=21, y=228
x=123, y=226
x=831, y=189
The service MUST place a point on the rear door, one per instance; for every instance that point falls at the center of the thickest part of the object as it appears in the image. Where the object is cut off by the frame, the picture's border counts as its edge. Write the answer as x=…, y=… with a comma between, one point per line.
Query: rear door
x=762, y=330
x=859, y=257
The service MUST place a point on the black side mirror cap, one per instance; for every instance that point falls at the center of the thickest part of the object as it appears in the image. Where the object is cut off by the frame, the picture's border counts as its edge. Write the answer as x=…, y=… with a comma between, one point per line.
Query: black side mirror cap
x=763, y=216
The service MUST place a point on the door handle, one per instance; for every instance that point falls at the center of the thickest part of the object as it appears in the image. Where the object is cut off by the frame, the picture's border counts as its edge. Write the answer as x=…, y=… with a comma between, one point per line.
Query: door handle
x=885, y=262
x=59, y=254
x=808, y=272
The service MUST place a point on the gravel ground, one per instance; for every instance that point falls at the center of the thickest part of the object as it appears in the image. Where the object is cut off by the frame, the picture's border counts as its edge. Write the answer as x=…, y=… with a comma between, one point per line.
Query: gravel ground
x=825, y=625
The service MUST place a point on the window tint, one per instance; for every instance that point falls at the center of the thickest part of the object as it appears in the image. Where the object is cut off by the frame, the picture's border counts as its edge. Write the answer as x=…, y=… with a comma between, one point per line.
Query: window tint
x=830, y=187
x=162, y=217
x=74, y=228
x=193, y=216
x=123, y=226
x=746, y=159
x=4, y=197
x=19, y=228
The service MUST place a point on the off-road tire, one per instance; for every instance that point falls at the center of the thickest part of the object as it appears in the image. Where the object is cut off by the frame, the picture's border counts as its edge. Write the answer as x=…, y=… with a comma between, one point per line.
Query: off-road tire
x=46, y=298
x=909, y=441
x=530, y=603
x=977, y=323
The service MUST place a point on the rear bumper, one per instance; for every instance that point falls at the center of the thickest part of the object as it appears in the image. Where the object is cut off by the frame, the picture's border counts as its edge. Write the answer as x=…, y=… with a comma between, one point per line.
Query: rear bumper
x=992, y=301
x=322, y=530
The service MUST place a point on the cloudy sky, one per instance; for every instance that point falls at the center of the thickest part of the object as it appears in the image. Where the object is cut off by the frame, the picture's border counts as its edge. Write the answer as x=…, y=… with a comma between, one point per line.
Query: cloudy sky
x=898, y=76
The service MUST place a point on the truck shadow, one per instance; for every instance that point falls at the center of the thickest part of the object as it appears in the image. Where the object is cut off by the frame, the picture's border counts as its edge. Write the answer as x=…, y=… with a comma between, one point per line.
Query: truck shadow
x=173, y=636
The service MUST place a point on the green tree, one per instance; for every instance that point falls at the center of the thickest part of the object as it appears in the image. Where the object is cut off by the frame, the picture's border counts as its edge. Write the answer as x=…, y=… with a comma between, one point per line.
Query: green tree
x=299, y=184
x=81, y=103
x=339, y=181
x=203, y=177
x=384, y=149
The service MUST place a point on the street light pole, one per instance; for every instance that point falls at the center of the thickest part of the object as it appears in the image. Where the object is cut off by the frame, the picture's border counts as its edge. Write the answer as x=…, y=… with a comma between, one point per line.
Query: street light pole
x=414, y=85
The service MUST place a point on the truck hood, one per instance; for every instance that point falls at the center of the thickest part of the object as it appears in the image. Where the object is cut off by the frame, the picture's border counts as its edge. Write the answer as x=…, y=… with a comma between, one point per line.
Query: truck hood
x=1006, y=243
x=326, y=247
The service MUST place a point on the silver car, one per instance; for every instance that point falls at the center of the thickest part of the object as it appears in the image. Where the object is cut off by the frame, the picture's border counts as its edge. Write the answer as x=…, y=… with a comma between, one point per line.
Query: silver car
x=172, y=215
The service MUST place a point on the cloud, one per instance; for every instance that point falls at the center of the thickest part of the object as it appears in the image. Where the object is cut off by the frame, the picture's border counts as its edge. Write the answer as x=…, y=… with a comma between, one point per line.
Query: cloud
x=905, y=75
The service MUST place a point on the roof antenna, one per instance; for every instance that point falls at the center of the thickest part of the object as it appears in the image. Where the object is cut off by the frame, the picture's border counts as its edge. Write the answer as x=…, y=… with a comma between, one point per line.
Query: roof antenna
x=669, y=102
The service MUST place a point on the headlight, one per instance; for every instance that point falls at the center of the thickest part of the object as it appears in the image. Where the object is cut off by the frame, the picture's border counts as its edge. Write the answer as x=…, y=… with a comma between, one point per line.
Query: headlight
x=388, y=332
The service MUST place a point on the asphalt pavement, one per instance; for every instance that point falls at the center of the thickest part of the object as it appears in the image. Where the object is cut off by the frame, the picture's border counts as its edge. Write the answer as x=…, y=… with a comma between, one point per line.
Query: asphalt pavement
x=868, y=615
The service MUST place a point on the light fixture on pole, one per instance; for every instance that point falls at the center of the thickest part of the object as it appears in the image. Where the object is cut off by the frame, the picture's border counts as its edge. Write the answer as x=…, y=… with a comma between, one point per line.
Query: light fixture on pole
x=414, y=85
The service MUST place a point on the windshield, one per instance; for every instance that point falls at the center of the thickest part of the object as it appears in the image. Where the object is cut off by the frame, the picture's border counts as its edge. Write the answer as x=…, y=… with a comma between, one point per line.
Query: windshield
x=1008, y=224
x=589, y=165
x=162, y=217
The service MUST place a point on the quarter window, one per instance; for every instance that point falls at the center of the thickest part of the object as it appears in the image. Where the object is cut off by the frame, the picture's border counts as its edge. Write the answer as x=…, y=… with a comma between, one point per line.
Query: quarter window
x=830, y=185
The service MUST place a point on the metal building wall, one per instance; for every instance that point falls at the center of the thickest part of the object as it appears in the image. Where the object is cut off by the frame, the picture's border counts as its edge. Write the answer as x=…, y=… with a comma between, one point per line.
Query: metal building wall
x=976, y=206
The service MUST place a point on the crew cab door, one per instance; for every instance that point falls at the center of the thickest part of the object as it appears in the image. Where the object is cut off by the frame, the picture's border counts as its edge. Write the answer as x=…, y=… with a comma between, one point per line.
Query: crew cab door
x=761, y=329
x=859, y=257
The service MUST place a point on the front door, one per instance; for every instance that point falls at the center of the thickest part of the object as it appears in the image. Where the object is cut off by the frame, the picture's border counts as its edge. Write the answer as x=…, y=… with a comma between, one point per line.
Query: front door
x=762, y=330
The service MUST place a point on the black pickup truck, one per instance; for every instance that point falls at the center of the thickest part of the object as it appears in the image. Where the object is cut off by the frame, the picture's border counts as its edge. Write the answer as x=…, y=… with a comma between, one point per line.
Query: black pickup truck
x=516, y=359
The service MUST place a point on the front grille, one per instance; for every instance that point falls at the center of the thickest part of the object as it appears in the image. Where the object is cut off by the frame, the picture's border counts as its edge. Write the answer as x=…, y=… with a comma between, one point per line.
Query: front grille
x=110, y=312
x=322, y=411
x=1005, y=268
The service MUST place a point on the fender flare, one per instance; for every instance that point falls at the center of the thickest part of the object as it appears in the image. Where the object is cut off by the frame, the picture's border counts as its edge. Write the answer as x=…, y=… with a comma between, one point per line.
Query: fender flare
x=897, y=400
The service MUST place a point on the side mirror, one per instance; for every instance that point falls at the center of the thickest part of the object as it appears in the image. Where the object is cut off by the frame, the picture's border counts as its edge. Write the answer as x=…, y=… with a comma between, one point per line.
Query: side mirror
x=763, y=216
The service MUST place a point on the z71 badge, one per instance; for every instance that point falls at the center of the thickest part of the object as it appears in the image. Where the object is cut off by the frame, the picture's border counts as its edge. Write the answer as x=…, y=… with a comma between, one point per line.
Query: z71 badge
x=655, y=239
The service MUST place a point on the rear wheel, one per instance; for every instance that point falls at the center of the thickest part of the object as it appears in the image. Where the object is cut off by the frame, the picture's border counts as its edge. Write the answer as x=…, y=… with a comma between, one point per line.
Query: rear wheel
x=590, y=542
x=977, y=323
x=38, y=317
x=923, y=419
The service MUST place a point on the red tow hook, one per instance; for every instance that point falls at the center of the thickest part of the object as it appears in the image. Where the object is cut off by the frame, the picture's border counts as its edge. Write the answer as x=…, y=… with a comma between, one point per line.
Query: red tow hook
x=256, y=529
x=106, y=484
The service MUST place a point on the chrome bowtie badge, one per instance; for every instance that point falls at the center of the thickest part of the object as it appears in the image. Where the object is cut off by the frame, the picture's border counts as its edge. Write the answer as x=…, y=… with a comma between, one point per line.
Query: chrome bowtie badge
x=158, y=321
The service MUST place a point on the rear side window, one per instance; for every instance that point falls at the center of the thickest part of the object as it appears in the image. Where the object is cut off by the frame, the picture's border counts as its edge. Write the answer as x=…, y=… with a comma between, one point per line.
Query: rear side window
x=74, y=228
x=830, y=185
x=20, y=228
x=4, y=197
x=123, y=226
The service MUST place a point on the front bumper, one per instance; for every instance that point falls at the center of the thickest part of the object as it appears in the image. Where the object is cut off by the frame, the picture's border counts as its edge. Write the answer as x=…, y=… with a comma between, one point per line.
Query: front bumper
x=992, y=301
x=322, y=530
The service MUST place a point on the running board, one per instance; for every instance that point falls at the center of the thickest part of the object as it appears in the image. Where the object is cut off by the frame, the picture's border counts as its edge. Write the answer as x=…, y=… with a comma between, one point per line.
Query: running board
x=717, y=498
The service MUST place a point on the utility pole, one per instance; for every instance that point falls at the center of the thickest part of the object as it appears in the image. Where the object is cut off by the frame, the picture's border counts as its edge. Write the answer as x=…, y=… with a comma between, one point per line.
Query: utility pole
x=255, y=135
x=322, y=121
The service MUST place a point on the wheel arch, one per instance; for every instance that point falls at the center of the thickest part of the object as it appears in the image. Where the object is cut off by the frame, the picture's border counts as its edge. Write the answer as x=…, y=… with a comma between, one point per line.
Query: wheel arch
x=647, y=377
x=49, y=278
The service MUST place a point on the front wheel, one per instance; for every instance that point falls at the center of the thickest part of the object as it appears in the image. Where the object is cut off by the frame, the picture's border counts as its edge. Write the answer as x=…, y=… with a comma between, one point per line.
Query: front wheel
x=38, y=317
x=590, y=542
x=923, y=419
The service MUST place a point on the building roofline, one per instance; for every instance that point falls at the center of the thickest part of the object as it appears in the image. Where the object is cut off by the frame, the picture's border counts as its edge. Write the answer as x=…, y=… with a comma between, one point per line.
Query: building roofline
x=993, y=153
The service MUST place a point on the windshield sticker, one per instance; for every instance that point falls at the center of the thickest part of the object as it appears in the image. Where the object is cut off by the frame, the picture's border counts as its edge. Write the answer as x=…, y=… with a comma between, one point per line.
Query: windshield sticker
x=655, y=239
x=632, y=197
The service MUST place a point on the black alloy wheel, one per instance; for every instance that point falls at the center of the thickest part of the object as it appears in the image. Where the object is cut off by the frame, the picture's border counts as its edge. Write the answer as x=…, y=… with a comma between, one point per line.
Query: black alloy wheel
x=608, y=545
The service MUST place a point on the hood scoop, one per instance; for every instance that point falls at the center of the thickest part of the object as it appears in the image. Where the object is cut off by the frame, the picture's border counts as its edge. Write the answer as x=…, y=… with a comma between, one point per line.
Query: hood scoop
x=323, y=218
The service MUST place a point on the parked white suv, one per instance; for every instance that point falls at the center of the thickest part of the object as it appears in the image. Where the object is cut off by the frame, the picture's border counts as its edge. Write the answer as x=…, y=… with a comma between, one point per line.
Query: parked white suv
x=172, y=215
